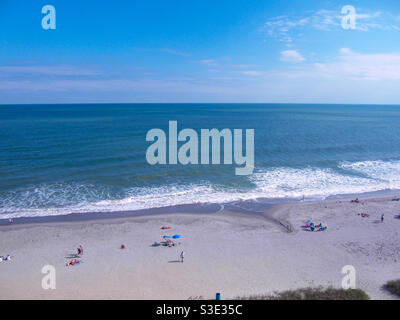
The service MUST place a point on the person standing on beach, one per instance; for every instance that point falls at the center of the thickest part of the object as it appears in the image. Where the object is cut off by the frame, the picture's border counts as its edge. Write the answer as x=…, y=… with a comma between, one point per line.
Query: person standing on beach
x=382, y=217
x=182, y=256
x=80, y=251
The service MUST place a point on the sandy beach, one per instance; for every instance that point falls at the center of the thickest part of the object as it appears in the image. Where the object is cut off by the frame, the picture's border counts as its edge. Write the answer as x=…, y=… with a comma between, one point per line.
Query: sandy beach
x=231, y=253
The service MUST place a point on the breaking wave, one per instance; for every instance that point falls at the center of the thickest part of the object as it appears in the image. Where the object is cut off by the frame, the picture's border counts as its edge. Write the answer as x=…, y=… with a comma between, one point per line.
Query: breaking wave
x=281, y=182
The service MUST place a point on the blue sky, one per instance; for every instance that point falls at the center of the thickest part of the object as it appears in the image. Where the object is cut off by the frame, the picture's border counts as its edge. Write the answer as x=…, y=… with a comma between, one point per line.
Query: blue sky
x=200, y=51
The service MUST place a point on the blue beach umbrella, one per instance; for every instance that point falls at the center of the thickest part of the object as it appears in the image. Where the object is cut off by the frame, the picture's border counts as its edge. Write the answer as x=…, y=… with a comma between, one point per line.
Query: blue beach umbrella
x=176, y=236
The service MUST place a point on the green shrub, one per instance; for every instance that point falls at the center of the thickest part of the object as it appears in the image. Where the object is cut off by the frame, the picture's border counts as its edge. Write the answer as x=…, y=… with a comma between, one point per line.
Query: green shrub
x=312, y=294
x=393, y=286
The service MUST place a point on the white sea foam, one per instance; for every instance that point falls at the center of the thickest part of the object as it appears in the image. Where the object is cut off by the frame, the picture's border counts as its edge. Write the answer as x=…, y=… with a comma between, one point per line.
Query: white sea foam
x=143, y=198
x=387, y=172
x=357, y=177
x=316, y=182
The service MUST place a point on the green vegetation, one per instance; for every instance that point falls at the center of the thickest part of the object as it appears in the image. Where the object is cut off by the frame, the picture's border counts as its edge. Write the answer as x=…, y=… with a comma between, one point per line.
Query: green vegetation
x=393, y=287
x=313, y=294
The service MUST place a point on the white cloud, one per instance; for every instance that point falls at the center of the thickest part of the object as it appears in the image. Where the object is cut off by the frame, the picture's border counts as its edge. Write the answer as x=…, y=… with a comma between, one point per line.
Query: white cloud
x=349, y=77
x=349, y=65
x=208, y=61
x=175, y=52
x=346, y=51
x=287, y=28
x=291, y=56
x=249, y=72
x=283, y=27
x=47, y=70
x=231, y=68
x=381, y=66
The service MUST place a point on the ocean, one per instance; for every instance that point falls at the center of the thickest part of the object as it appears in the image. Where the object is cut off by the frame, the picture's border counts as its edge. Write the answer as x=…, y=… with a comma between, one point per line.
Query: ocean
x=61, y=159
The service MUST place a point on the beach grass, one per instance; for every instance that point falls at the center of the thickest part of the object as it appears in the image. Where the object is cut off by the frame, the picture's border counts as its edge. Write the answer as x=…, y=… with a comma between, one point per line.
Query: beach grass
x=318, y=293
x=393, y=287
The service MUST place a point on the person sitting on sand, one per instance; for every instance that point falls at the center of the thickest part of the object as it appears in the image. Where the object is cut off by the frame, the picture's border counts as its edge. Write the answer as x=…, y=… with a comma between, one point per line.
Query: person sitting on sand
x=8, y=258
x=356, y=200
x=73, y=262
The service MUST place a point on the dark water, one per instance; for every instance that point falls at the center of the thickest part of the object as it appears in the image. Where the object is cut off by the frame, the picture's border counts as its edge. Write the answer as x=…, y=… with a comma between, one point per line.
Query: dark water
x=57, y=159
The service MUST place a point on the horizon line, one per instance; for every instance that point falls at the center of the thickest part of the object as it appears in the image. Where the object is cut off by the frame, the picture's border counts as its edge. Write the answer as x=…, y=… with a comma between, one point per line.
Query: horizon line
x=105, y=103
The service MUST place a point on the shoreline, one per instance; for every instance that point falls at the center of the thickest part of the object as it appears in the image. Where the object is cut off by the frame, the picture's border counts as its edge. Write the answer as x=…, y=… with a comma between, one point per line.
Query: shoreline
x=234, y=253
x=263, y=204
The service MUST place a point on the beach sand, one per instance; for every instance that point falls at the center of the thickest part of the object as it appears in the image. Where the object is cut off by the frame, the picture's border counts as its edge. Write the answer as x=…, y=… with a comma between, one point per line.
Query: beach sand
x=231, y=253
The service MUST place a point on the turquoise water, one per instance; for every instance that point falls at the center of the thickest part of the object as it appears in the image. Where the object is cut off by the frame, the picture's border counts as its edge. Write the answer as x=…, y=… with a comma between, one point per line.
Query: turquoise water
x=58, y=159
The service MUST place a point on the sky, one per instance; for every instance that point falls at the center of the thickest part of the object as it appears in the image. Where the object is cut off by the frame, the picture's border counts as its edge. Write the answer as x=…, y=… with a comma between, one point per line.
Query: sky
x=265, y=51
